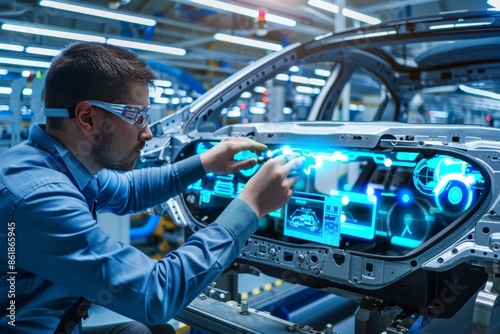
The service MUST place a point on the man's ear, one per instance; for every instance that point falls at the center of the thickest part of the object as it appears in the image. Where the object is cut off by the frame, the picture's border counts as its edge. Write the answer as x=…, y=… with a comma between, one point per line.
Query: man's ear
x=85, y=116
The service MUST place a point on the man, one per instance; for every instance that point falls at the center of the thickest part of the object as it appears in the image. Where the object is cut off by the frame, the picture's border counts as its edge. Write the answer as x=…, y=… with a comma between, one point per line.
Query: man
x=52, y=250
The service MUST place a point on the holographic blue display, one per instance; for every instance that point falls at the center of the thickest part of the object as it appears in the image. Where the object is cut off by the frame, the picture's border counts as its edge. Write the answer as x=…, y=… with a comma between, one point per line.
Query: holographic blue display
x=390, y=201
x=314, y=218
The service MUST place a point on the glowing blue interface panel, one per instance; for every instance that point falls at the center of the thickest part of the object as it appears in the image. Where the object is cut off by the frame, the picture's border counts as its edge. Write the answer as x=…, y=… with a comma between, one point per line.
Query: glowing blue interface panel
x=387, y=203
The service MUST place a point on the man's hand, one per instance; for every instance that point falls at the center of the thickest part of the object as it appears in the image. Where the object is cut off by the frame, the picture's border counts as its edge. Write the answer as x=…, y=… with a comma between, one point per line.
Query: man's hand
x=272, y=186
x=219, y=159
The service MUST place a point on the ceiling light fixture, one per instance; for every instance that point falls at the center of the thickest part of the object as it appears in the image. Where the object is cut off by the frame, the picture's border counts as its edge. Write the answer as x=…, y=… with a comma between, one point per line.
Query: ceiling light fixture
x=322, y=73
x=38, y=30
x=42, y=51
x=359, y=16
x=24, y=62
x=494, y=3
x=8, y=91
x=97, y=11
x=324, y=5
x=254, y=13
x=345, y=11
x=11, y=47
x=147, y=46
x=282, y=77
x=248, y=42
x=31, y=29
x=162, y=83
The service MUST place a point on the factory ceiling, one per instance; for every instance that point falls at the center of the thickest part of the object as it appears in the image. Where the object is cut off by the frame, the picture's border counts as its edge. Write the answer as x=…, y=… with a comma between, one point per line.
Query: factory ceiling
x=191, y=26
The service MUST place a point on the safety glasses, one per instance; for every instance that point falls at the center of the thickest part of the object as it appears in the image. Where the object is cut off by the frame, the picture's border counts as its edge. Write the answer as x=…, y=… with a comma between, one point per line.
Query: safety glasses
x=135, y=114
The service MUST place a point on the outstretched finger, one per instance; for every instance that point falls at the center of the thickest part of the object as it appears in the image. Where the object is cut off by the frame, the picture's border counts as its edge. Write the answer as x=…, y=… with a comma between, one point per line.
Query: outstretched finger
x=242, y=144
x=293, y=165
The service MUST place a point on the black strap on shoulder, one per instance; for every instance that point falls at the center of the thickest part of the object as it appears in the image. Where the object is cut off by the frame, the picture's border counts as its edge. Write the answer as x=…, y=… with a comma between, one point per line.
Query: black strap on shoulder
x=73, y=315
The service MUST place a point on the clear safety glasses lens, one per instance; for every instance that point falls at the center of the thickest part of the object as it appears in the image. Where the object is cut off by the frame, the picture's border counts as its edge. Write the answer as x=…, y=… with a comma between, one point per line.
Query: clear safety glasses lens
x=137, y=115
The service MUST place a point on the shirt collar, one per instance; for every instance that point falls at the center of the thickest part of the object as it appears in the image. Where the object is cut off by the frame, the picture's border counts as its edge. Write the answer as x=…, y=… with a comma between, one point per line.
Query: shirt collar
x=75, y=168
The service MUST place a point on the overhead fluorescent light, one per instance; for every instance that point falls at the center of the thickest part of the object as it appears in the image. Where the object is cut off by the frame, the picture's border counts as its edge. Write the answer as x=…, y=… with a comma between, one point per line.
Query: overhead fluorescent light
x=322, y=73
x=254, y=13
x=147, y=46
x=11, y=47
x=8, y=91
x=317, y=82
x=494, y=3
x=162, y=83
x=30, y=29
x=37, y=30
x=248, y=42
x=299, y=79
x=307, y=81
x=234, y=113
x=97, y=11
x=24, y=62
x=324, y=5
x=42, y=51
x=307, y=90
x=257, y=110
x=282, y=77
x=169, y=91
x=359, y=16
x=161, y=100
x=260, y=89
x=3, y=71
x=345, y=11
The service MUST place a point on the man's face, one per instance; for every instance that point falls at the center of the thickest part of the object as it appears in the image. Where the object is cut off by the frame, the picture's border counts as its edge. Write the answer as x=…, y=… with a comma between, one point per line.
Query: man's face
x=117, y=144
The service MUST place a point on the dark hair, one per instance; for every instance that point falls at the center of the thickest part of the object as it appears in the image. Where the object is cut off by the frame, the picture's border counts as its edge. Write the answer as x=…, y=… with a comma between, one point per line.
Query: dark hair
x=92, y=71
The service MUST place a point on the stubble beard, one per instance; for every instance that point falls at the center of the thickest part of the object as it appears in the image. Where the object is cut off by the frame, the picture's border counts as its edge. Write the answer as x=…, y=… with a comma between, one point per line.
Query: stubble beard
x=109, y=156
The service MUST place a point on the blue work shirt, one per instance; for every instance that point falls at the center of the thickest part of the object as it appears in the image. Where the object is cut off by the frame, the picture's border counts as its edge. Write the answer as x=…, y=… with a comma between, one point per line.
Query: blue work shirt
x=52, y=250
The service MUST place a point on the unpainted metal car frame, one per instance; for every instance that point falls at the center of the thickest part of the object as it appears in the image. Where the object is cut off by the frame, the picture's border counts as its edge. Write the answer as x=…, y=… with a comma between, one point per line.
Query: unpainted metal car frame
x=437, y=276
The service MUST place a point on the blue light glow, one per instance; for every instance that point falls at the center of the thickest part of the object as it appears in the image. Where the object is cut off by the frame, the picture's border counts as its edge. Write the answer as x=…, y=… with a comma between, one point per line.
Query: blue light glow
x=370, y=191
x=453, y=194
x=405, y=198
x=244, y=155
x=408, y=156
x=404, y=242
x=399, y=198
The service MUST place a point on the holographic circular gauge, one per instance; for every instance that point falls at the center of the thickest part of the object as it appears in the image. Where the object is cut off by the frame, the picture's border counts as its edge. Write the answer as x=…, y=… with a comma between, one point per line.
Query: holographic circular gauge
x=424, y=176
x=453, y=194
x=408, y=225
